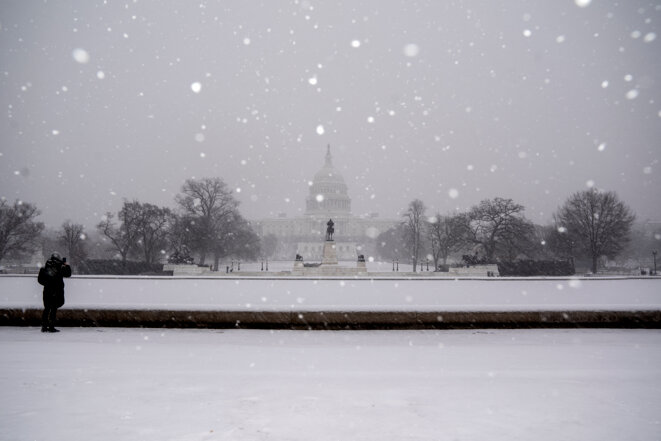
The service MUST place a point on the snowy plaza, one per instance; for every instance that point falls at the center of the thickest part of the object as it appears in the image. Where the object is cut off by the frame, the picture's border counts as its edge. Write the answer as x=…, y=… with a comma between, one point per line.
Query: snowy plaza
x=244, y=384
x=110, y=384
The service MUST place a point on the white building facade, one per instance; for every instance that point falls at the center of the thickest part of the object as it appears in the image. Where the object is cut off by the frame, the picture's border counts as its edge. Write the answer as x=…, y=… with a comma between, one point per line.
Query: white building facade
x=328, y=198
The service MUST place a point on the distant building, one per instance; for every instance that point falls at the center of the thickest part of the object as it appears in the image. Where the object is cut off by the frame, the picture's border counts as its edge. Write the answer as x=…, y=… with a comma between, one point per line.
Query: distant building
x=328, y=198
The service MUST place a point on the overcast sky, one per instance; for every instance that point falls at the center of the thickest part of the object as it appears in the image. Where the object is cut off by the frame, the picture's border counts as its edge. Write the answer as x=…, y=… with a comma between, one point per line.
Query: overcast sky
x=450, y=102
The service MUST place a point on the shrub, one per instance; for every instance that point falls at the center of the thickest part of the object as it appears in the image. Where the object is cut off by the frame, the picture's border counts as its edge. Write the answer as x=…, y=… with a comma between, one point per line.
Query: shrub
x=474, y=260
x=115, y=267
x=536, y=268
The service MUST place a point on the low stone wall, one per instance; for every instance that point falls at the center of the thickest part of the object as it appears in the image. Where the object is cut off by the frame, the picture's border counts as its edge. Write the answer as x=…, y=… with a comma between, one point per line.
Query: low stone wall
x=328, y=271
x=186, y=270
x=334, y=320
x=475, y=271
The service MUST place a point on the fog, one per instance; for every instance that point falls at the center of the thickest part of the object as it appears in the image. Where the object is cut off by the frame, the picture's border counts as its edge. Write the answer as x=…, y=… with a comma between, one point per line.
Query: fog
x=448, y=102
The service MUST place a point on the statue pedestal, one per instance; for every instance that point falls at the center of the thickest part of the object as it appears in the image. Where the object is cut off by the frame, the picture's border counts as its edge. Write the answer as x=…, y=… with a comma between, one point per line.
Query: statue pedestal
x=330, y=253
x=329, y=266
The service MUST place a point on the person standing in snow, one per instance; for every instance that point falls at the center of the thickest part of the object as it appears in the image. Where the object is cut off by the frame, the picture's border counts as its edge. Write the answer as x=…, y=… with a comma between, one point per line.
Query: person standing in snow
x=51, y=276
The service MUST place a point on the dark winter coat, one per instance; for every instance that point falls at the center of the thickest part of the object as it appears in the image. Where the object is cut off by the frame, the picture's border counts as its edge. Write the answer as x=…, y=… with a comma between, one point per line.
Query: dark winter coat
x=51, y=276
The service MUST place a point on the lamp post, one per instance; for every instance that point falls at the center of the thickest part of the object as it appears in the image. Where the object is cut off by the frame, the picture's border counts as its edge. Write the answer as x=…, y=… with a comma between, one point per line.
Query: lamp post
x=654, y=255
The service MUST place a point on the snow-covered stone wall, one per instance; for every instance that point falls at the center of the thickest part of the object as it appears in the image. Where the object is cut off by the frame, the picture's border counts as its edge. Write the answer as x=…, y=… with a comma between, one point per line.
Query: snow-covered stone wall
x=335, y=294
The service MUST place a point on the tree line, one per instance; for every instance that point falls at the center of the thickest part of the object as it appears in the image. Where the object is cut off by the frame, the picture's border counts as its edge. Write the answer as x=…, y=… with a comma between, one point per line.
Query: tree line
x=206, y=223
x=589, y=225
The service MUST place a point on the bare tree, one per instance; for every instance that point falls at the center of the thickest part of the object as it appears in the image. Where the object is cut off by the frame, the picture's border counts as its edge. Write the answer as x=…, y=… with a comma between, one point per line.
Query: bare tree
x=391, y=244
x=446, y=235
x=19, y=231
x=72, y=238
x=498, y=227
x=153, y=228
x=124, y=238
x=598, y=223
x=236, y=238
x=143, y=230
x=557, y=242
x=517, y=240
x=180, y=234
x=415, y=225
x=209, y=205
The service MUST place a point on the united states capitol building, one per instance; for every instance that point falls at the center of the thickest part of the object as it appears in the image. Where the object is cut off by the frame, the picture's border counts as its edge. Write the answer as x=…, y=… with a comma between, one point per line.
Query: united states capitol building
x=328, y=198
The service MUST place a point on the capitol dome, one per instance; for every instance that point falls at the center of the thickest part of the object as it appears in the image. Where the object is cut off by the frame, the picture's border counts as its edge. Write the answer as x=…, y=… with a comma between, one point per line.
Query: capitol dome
x=328, y=192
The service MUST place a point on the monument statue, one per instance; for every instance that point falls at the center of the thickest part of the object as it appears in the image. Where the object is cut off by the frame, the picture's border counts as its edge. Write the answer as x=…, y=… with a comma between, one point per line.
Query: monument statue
x=330, y=230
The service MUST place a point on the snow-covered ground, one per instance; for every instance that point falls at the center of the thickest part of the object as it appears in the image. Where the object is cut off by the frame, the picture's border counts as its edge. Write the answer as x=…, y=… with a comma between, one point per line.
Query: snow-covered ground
x=280, y=294
x=120, y=384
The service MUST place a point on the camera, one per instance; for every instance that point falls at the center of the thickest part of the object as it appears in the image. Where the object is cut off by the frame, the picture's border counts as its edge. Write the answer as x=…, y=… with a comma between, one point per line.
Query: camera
x=64, y=260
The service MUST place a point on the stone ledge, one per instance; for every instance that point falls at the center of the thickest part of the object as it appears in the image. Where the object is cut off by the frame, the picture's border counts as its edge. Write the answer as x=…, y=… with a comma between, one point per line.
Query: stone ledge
x=337, y=319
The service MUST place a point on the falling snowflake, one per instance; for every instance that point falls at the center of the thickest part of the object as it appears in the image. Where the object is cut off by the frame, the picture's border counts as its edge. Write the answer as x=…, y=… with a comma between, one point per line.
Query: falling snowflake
x=575, y=283
x=411, y=50
x=81, y=56
x=632, y=94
